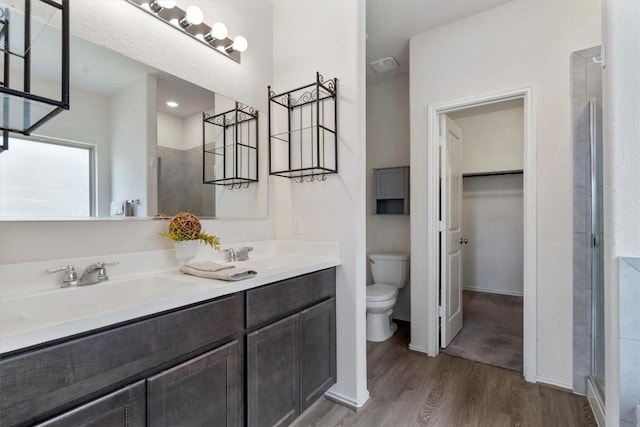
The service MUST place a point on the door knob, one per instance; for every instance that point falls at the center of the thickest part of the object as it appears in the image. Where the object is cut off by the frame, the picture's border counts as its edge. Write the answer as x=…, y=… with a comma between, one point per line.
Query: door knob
x=465, y=241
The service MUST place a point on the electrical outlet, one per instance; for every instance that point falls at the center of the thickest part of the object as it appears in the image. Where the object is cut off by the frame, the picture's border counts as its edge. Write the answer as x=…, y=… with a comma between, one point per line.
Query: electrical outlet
x=297, y=225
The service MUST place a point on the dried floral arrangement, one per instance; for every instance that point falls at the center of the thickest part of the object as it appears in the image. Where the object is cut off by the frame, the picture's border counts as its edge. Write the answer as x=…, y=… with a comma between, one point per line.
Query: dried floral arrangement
x=187, y=226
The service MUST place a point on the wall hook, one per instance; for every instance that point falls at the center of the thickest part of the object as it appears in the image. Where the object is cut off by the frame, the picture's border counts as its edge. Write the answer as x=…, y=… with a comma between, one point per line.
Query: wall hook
x=602, y=58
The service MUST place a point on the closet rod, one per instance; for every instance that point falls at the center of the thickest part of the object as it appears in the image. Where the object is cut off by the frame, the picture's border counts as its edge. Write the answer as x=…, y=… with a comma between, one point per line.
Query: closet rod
x=510, y=172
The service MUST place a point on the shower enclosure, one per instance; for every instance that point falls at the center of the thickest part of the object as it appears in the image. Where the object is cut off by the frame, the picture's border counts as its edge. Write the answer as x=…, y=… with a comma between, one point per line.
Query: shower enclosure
x=597, y=255
x=588, y=259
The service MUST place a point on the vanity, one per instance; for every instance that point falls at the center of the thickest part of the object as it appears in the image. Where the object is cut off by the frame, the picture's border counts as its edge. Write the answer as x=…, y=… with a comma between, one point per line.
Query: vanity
x=253, y=352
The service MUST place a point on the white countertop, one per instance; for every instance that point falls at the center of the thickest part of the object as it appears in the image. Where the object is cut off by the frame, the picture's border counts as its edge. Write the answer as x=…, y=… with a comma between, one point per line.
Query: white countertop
x=28, y=319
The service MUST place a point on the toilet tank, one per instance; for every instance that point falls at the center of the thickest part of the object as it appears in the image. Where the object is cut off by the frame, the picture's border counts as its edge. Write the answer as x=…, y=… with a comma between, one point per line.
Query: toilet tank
x=390, y=269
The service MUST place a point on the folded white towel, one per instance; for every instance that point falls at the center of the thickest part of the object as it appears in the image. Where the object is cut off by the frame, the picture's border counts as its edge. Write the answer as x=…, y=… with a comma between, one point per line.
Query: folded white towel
x=212, y=270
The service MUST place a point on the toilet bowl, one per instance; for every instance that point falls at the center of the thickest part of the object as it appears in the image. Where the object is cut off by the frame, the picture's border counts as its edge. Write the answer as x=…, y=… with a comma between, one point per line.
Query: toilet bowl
x=389, y=272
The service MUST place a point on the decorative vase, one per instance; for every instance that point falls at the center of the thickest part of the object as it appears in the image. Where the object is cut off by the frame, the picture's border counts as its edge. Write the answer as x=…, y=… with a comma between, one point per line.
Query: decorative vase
x=186, y=250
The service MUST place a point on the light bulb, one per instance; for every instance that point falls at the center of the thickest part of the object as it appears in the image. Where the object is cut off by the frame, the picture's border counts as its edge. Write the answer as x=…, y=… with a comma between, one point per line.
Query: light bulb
x=219, y=31
x=166, y=4
x=240, y=44
x=194, y=15
x=157, y=5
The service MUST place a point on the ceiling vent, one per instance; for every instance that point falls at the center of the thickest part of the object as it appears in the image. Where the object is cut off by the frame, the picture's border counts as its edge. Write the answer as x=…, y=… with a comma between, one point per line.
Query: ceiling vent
x=383, y=65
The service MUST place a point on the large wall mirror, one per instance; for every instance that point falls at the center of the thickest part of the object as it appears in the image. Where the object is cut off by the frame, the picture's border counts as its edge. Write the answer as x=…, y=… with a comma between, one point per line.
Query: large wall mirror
x=131, y=145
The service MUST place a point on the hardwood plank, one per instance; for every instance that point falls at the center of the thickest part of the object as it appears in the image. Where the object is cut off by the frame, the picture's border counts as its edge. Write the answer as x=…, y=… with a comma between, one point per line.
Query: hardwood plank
x=410, y=389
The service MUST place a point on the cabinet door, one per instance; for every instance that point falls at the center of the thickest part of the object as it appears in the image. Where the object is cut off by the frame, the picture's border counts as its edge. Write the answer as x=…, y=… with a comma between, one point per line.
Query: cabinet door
x=273, y=391
x=125, y=407
x=202, y=391
x=391, y=183
x=317, y=351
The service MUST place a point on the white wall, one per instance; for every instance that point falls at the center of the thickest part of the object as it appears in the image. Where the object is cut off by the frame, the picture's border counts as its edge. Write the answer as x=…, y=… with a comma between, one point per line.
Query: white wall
x=131, y=109
x=511, y=46
x=388, y=146
x=493, y=136
x=621, y=174
x=120, y=26
x=329, y=37
x=170, y=131
x=492, y=222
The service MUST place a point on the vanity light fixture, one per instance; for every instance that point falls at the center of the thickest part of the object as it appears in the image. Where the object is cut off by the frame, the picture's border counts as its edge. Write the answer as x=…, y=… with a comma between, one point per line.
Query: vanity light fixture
x=191, y=22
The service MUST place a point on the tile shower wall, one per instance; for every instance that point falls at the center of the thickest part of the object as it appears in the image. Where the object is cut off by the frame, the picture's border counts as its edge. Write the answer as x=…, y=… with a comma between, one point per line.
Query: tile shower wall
x=180, y=186
x=629, y=277
x=586, y=83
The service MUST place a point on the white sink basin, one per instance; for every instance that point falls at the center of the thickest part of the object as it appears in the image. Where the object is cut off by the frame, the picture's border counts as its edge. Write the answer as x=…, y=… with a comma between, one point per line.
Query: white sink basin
x=265, y=264
x=61, y=304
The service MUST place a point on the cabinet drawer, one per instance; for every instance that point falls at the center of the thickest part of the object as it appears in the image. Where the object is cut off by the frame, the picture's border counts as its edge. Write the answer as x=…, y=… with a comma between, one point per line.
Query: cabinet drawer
x=280, y=299
x=41, y=382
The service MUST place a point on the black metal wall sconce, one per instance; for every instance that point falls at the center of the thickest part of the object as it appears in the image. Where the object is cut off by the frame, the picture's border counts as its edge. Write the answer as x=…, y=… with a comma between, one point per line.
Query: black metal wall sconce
x=230, y=147
x=191, y=23
x=22, y=110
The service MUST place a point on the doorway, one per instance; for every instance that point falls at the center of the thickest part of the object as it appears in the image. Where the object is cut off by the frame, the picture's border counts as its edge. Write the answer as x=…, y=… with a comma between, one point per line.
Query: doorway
x=481, y=207
x=435, y=112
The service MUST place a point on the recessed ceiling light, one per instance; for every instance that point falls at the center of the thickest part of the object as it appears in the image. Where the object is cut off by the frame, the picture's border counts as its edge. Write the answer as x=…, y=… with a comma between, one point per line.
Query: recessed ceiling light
x=172, y=104
x=383, y=65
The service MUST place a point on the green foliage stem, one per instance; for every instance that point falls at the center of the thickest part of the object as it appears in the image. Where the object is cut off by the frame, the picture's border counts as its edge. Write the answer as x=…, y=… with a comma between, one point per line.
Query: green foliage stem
x=205, y=238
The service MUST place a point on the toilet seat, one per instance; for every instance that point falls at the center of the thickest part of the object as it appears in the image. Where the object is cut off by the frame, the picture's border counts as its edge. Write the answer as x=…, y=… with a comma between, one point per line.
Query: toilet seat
x=381, y=292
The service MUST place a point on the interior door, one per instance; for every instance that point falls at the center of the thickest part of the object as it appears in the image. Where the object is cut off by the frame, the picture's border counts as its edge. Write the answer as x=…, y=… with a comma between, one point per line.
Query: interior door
x=451, y=230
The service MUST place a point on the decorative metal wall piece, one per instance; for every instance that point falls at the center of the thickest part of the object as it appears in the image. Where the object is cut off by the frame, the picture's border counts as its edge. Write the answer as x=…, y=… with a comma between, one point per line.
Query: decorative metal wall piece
x=22, y=110
x=230, y=147
x=303, y=131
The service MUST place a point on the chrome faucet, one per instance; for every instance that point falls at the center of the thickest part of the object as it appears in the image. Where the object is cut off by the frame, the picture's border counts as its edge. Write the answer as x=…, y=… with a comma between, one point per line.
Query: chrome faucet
x=70, y=277
x=241, y=254
x=95, y=273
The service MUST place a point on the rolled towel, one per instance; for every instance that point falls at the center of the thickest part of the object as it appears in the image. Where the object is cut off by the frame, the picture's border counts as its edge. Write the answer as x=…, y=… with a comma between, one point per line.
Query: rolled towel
x=212, y=270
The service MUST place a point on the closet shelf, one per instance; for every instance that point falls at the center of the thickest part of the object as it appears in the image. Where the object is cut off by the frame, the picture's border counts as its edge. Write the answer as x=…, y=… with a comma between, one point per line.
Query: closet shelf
x=493, y=173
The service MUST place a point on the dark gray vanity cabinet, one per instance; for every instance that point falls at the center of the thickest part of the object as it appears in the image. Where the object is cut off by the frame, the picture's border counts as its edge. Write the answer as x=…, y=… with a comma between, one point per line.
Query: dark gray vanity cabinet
x=258, y=357
x=125, y=407
x=273, y=385
x=77, y=374
x=202, y=391
x=317, y=351
x=291, y=361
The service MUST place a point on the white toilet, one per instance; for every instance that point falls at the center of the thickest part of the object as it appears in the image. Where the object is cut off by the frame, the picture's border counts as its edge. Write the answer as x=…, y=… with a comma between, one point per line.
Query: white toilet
x=390, y=273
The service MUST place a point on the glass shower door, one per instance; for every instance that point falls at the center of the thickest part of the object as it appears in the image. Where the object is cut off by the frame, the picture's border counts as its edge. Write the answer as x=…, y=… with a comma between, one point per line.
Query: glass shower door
x=597, y=249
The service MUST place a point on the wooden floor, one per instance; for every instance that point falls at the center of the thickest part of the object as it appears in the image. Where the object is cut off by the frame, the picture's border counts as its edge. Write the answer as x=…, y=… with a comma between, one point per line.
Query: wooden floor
x=410, y=389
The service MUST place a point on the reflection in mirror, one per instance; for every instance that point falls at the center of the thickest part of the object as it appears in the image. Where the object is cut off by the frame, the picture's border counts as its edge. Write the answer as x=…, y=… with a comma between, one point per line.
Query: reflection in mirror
x=145, y=155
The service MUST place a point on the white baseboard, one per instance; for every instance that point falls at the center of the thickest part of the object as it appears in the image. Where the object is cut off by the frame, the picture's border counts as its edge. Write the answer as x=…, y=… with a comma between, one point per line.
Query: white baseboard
x=555, y=384
x=596, y=405
x=347, y=401
x=419, y=349
x=493, y=291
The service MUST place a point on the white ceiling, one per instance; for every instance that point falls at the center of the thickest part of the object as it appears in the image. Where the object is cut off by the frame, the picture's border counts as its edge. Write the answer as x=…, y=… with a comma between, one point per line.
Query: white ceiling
x=390, y=24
